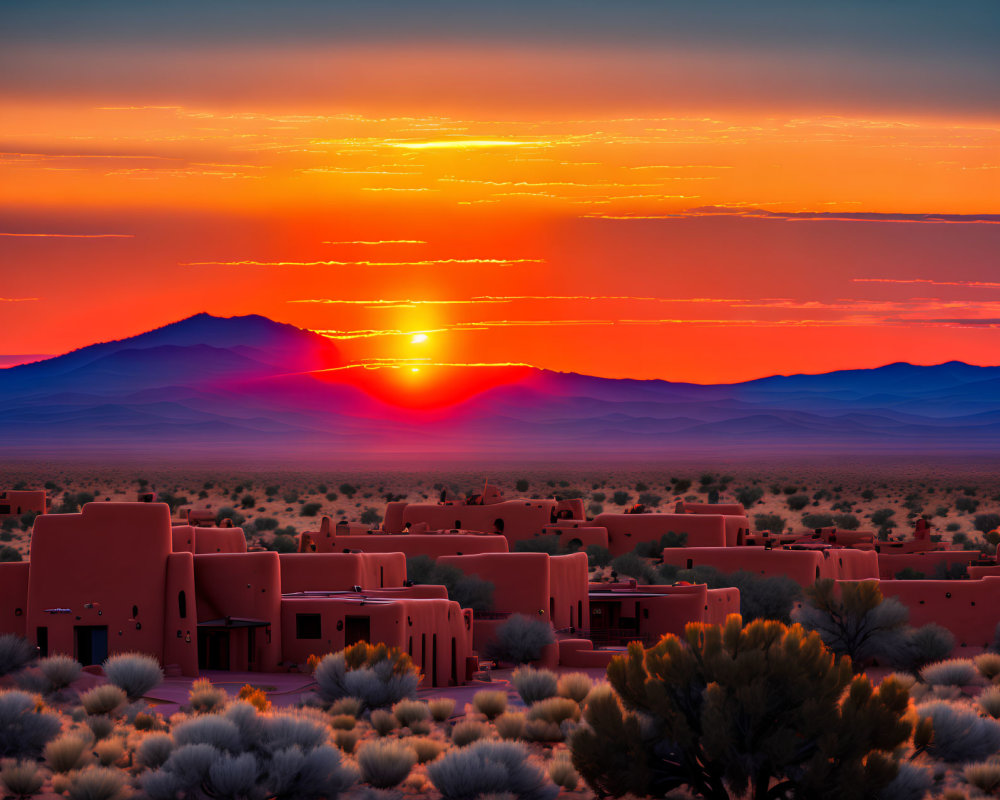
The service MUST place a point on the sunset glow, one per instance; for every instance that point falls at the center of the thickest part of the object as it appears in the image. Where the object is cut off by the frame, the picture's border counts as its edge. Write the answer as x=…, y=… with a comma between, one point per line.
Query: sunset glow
x=644, y=194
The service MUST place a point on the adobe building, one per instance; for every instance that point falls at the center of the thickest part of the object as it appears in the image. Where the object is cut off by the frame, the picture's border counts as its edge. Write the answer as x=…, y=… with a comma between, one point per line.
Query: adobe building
x=418, y=540
x=119, y=577
x=15, y=502
x=486, y=513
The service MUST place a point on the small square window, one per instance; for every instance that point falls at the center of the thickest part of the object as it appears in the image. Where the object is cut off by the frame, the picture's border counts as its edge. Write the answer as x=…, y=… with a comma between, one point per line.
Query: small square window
x=308, y=626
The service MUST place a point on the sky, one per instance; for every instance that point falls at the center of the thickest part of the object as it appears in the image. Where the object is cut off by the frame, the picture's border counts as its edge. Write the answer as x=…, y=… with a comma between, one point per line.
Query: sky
x=694, y=191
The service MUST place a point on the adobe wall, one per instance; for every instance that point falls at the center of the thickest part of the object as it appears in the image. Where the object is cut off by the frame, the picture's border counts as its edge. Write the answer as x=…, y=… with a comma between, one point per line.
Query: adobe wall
x=577, y=537
x=726, y=509
x=315, y=572
x=415, y=544
x=625, y=531
x=244, y=585
x=520, y=580
x=569, y=603
x=520, y=519
x=968, y=608
x=107, y=565
x=22, y=501
x=180, y=622
x=14, y=597
x=193, y=539
x=804, y=567
x=891, y=564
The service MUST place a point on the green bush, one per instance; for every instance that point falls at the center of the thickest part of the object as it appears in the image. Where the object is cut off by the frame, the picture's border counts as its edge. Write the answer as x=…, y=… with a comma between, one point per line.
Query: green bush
x=469, y=591
x=310, y=509
x=736, y=711
x=798, y=501
x=749, y=495
x=814, y=521
x=597, y=555
x=769, y=522
x=539, y=544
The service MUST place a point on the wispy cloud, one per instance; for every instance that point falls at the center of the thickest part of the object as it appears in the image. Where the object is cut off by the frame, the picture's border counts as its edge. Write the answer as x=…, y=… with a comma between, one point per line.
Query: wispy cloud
x=464, y=144
x=431, y=262
x=814, y=216
x=931, y=282
x=70, y=235
x=17, y=299
x=380, y=241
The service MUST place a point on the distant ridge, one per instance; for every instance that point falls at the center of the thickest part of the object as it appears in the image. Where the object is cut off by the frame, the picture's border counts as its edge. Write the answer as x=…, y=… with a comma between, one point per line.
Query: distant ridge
x=250, y=385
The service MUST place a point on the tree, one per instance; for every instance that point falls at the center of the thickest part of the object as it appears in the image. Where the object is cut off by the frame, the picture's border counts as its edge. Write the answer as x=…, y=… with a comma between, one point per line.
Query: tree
x=857, y=621
x=749, y=495
x=987, y=522
x=522, y=485
x=763, y=711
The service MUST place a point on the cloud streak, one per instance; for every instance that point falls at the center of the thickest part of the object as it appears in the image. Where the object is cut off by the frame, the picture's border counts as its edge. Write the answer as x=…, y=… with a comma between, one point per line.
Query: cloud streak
x=431, y=262
x=69, y=235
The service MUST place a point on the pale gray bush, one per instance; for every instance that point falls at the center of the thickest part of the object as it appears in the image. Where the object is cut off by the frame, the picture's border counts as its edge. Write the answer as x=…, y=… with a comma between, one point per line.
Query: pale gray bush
x=468, y=731
x=133, y=673
x=386, y=763
x=21, y=778
x=921, y=646
x=211, y=729
x=101, y=727
x=411, y=711
x=98, y=783
x=16, y=653
x=535, y=684
x=960, y=735
x=376, y=686
x=104, y=699
x=154, y=750
x=520, y=639
x=234, y=777
x=911, y=783
x=487, y=767
x=60, y=671
x=320, y=773
x=953, y=672
x=24, y=731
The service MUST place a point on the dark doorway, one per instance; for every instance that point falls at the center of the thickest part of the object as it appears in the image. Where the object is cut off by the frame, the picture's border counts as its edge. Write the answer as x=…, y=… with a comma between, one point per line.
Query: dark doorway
x=454, y=662
x=43, y=641
x=91, y=643
x=434, y=660
x=357, y=629
x=213, y=649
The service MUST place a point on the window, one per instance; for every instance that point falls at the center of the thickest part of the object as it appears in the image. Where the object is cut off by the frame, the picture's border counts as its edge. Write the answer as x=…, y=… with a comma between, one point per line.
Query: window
x=308, y=626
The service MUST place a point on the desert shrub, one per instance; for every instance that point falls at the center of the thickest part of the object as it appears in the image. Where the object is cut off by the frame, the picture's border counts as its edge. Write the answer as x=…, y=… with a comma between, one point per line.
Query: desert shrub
x=383, y=722
x=539, y=730
x=798, y=501
x=15, y=653
x=469, y=591
x=650, y=499
x=953, y=672
x=921, y=646
x=555, y=710
x=520, y=639
x=765, y=597
x=154, y=750
x=817, y=520
x=988, y=665
x=215, y=730
x=490, y=703
x=539, y=544
x=67, y=753
x=105, y=699
x=960, y=735
x=635, y=566
x=441, y=708
x=985, y=776
x=385, y=764
x=100, y=726
x=283, y=543
x=133, y=673
x=597, y=555
x=562, y=772
x=21, y=778
x=409, y=712
x=749, y=495
x=347, y=705
x=952, y=572
x=911, y=783
x=370, y=516
x=109, y=751
x=655, y=547
x=9, y=554
x=60, y=671
x=234, y=776
x=909, y=574
x=846, y=522
x=989, y=701
x=489, y=767
x=730, y=709
x=522, y=485
x=966, y=504
x=98, y=783
x=205, y=698
x=230, y=513
x=574, y=685
x=343, y=722
x=535, y=684
x=376, y=675
x=346, y=740
x=468, y=731
x=621, y=498
x=769, y=522
x=24, y=727
x=858, y=623
x=510, y=725
x=426, y=749
x=255, y=697
x=310, y=509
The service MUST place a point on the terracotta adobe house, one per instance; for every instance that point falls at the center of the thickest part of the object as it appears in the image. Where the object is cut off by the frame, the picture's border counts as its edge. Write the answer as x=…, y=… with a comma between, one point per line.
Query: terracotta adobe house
x=15, y=502
x=119, y=576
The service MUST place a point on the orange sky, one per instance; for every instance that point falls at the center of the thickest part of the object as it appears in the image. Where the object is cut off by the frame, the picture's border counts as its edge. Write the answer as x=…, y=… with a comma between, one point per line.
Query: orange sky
x=524, y=214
